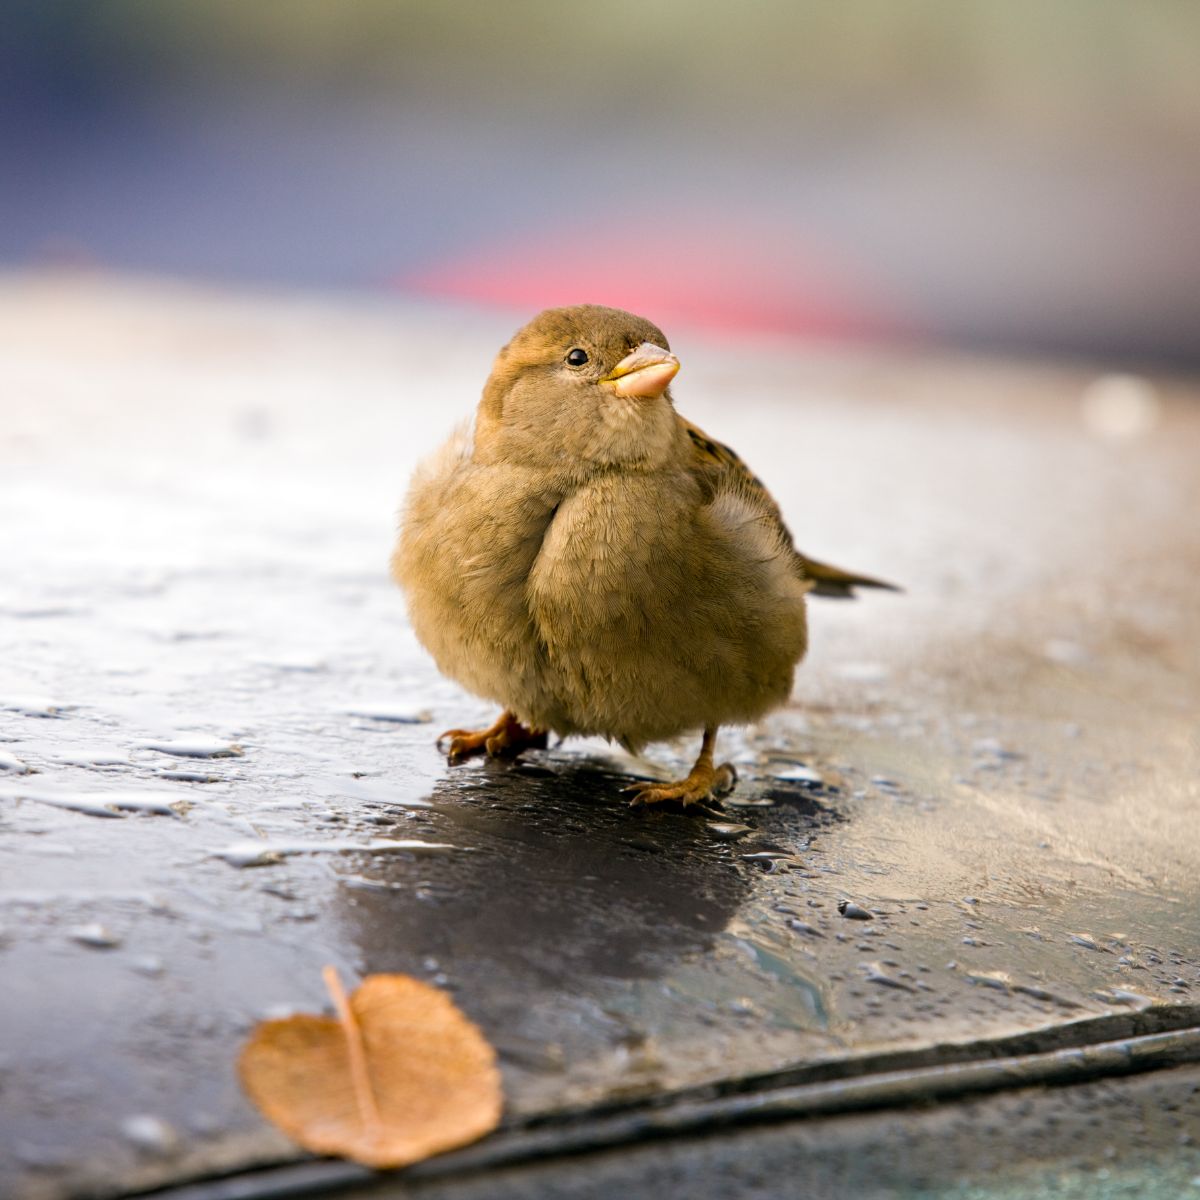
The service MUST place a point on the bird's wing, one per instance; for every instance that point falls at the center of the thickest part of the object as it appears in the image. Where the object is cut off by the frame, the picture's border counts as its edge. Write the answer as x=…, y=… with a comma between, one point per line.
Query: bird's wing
x=718, y=468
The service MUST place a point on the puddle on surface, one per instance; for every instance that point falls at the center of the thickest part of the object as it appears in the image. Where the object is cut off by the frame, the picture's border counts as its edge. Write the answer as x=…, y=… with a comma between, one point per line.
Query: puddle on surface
x=800, y=1001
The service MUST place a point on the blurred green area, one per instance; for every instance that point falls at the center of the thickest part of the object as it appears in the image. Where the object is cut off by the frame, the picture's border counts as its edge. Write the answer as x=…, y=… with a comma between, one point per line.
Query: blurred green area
x=1095, y=68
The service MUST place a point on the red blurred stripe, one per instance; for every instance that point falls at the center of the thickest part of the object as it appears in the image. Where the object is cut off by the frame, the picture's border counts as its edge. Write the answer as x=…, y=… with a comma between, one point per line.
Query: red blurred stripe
x=744, y=279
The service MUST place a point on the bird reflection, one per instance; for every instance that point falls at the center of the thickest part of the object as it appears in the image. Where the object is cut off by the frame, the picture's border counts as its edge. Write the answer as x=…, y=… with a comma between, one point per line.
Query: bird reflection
x=559, y=896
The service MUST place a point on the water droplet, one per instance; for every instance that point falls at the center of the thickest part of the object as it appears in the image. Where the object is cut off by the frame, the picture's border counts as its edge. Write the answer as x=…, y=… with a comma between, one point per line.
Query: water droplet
x=10, y=764
x=728, y=831
x=98, y=936
x=264, y=853
x=804, y=927
x=990, y=979
x=151, y=1135
x=1127, y=996
x=649, y=845
x=34, y=706
x=993, y=748
x=94, y=758
x=299, y=663
x=197, y=746
x=800, y=774
x=96, y=804
x=378, y=792
x=395, y=712
x=876, y=974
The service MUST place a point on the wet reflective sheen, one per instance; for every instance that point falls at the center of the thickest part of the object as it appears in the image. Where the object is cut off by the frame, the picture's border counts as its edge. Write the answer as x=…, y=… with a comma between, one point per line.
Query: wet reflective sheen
x=217, y=769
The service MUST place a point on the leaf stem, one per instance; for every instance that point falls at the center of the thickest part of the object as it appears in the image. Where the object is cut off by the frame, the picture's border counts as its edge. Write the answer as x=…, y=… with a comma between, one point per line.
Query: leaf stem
x=357, y=1051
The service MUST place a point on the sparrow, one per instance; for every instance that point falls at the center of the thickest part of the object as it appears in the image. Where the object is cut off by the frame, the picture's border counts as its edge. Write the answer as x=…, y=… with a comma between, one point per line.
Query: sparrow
x=594, y=563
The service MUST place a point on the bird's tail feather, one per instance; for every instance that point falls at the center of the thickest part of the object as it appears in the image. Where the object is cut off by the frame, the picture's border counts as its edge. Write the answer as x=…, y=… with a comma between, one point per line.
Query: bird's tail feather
x=836, y=583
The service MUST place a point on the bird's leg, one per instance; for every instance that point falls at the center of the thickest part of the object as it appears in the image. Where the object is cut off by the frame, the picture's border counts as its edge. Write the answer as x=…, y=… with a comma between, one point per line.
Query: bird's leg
x=703, y=782
x=505, y=739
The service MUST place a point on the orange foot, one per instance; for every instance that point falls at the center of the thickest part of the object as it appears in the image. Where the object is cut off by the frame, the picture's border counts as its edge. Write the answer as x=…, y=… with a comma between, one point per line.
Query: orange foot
x=506, y=739
x=704, y=781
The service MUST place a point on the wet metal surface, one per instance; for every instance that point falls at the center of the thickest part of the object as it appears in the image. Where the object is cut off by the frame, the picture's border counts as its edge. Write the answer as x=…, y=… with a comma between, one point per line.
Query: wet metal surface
x=217, y=771
x=1098, y=1141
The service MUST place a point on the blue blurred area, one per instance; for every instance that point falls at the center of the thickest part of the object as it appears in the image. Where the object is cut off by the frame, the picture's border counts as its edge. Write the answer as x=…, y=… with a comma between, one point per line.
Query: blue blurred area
x=1023, y=177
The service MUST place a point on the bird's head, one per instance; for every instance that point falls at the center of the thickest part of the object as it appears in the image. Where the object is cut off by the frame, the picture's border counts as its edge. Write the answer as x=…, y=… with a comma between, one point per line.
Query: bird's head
x=584, y=385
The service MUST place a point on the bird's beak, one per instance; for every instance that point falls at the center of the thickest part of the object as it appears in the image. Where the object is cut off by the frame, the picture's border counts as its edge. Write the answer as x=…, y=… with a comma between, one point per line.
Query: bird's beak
x=644, y=373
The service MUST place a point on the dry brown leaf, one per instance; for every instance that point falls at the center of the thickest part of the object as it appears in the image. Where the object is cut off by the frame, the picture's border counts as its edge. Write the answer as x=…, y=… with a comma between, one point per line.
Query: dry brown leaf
x=399, y=1075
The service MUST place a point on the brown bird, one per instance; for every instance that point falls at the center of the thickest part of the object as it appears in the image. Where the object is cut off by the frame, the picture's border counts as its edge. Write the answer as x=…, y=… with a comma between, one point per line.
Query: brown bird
x=596, y=564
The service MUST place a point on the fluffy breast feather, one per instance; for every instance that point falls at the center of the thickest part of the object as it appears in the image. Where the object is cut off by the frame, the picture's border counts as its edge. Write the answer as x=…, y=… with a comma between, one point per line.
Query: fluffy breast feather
x=637, y=605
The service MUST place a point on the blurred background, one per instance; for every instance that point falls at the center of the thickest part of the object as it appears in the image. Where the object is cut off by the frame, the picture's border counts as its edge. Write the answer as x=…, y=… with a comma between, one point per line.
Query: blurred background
x=1017, y=177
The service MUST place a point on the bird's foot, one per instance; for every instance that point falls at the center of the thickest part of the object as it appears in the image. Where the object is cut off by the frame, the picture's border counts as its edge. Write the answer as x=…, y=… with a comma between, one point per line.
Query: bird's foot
x=505, y=739
x=704, y=782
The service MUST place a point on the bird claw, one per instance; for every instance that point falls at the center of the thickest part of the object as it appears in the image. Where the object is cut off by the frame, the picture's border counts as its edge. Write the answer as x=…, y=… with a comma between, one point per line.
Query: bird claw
x=702, y=786
x=463, y=743
x=505, y=739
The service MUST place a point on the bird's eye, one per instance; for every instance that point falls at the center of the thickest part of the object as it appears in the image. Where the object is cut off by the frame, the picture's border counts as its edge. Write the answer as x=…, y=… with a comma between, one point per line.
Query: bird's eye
x=577, y=357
